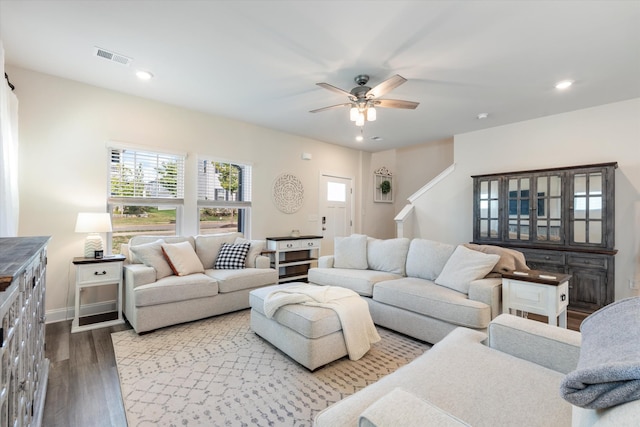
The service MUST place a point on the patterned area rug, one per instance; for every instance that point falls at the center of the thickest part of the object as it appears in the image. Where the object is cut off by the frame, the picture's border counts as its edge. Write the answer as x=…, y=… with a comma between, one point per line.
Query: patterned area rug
x=217, y=372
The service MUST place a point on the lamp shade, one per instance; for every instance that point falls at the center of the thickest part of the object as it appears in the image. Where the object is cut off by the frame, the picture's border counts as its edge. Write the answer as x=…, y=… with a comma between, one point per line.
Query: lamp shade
x=93, y=223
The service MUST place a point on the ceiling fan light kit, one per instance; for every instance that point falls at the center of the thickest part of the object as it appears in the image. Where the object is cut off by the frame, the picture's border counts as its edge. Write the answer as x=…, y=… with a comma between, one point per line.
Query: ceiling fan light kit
x=364, y=99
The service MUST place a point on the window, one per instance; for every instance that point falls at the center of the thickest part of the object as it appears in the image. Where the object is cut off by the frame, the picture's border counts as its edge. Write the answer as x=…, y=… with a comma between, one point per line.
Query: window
x=224, y=196
x=146, y=191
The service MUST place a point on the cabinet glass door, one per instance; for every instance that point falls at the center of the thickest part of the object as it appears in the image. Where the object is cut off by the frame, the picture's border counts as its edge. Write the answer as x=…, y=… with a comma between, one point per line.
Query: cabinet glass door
x=548, y=209
x=488, y=211
x=588, y=201
x=519, y=209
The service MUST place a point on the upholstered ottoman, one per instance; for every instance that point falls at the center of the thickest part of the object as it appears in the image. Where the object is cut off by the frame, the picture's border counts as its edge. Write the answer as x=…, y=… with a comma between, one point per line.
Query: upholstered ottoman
x=312, y=336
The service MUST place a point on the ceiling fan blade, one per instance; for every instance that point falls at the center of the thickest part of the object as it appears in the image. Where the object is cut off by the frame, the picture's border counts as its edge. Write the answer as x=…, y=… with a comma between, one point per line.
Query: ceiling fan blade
x=348, y=104
x=396, y=103
x=386, y=86
x=335, y=89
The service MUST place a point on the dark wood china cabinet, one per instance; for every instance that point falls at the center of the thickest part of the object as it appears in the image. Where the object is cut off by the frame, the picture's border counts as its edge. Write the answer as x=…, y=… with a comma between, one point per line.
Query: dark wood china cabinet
x=562, y=219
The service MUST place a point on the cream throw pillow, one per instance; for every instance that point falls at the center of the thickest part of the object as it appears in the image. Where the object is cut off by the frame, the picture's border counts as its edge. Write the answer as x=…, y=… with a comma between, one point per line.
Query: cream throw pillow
x=182, y=258
x=350, y=252
x=151, y=255
x=464, y=266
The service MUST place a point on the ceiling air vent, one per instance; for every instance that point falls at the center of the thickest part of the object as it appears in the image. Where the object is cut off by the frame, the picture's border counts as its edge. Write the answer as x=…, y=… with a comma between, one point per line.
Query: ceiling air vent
x=112, y=56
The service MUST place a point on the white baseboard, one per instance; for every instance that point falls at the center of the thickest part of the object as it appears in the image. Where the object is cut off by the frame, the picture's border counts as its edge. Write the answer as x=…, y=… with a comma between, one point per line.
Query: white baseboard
x=62, y=314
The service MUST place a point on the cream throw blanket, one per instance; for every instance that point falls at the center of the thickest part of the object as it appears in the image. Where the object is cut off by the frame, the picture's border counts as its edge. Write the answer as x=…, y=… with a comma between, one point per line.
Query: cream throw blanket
x=357, y=327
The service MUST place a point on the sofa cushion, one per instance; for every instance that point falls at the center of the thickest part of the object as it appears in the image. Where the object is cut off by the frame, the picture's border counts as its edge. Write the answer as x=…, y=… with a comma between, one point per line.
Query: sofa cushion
x=141, y=240
x=388, y=255
x=427, y=258
x=246, y=278
x=174, y=288
x=182, y=258
x=401, y=408
x=151, y=255
x=426, y=298
x=256, y=248
x=351, y=252
x=464, y=266
x=309, y=321
x=232, y=256
x=208, y=245
x=360, y=281
x=462, y=376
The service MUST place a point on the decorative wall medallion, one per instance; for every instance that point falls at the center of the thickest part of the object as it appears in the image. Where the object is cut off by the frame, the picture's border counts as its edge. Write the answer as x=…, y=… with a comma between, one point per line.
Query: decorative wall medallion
x=288, y=193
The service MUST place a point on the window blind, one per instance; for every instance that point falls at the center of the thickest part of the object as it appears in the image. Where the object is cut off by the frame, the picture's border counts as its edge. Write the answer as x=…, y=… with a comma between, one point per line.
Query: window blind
x=145, y=175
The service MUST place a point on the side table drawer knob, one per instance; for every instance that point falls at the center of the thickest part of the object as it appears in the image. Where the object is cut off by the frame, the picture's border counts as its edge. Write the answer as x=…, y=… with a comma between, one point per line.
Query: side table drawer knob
x=97, y=273
x=563, y=297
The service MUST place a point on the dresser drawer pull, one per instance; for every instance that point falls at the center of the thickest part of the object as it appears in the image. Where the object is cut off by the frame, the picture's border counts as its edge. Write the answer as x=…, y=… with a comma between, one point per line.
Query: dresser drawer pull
x=97, y=273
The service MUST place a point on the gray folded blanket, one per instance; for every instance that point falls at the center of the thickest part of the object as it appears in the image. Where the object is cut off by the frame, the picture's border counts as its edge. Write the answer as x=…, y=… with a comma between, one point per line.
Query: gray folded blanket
x=608, y=371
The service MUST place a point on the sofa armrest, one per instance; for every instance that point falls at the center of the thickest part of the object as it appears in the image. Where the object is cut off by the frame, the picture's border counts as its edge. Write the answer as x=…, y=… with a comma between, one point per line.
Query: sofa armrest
x=488, y=291
x=124, y=250
x=401, y=408
x=263, y=262
x=138, y=274
x=546, y=345
x=326, y=261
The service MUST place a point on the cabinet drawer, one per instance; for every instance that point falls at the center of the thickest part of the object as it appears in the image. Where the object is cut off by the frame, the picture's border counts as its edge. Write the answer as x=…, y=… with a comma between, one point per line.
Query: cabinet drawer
x=587, y=261
x=93, y=273
x=309, y=244
x=288, y=244
x=544, y=257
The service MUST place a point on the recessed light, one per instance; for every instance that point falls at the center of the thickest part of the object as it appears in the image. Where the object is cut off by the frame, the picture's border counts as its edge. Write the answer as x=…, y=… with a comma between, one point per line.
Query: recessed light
x=482, y=116
x=359, y=138
x=144, y=75
x=564, y=84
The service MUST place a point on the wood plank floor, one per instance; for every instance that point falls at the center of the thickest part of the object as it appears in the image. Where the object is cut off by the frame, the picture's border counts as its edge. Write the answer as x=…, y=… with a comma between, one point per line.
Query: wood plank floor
x=84, y=390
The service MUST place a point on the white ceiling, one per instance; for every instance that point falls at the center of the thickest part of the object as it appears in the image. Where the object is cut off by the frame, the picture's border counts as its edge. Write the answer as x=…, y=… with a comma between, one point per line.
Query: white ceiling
x=258, y=61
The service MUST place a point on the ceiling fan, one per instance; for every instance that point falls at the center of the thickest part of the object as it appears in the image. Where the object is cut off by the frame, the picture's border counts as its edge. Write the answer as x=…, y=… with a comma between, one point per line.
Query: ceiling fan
x=363, y=99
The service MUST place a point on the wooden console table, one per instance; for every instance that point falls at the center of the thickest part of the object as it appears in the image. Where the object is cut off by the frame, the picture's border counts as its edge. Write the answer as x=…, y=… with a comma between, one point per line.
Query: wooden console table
x=293, y=256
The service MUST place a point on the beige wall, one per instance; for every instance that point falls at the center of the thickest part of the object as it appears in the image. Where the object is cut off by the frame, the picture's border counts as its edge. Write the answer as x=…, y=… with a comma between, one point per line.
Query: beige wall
x=595, y=135
x=412, y=168
x=64, y=130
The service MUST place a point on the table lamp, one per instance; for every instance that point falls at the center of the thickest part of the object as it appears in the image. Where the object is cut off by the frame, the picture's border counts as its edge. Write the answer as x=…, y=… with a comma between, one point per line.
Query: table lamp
x=93, y=223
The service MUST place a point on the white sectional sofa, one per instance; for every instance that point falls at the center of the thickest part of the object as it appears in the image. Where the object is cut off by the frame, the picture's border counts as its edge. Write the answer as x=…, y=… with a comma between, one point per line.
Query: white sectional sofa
x=421, y=288
x=523, y=373
x=155, y=296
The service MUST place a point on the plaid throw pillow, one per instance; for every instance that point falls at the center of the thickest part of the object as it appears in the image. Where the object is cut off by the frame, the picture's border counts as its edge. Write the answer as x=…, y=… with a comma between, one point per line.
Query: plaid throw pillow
x=231, y=257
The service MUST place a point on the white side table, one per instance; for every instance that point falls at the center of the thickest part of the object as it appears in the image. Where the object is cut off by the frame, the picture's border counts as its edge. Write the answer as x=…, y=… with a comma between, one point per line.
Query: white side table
x=90, y=273
x=539, y=292
x=293, y=256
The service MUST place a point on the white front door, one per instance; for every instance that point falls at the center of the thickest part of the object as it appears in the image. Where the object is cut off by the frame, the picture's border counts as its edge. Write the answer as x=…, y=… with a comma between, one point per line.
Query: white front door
x=335, y=209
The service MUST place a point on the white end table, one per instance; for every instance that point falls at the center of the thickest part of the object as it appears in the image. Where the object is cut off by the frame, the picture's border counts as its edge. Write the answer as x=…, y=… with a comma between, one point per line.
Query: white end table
x=540, y=292
x=92, y=272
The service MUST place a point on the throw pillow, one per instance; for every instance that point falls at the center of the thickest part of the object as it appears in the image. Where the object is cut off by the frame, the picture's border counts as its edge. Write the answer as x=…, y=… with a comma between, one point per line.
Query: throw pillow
x=427, y=258
x=256, y=248
x=464, y=266
x=151, y=255
x=182, y=258
x=350, y=252
x=510, y=259
x=208, y=246
x=388, y=255
x=231, y=256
